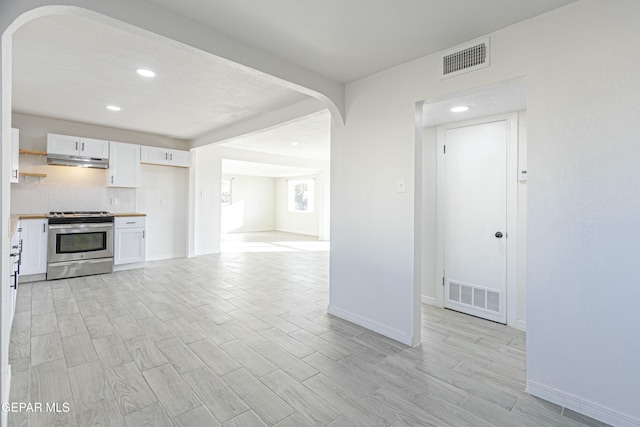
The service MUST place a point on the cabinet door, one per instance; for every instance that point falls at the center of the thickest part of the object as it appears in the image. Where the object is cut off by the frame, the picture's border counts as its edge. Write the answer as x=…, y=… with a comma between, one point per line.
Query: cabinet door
x=180, y=158
x=34, y=246
x=154, y=155
x=15, y=156
x=96, y=148
x=129, y=245
x=124, y=165
x=13, y=286
x=63, y=144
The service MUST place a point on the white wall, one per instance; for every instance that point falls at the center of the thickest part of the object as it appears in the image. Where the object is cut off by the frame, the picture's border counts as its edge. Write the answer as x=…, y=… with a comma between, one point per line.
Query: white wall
x=207, y=207
x=164, y=196
x=298, y=222
x=580, y=63
x=252, y=205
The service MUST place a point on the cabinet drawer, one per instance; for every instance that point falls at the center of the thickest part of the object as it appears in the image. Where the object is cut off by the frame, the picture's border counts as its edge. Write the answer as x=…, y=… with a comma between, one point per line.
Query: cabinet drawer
x=130, y=222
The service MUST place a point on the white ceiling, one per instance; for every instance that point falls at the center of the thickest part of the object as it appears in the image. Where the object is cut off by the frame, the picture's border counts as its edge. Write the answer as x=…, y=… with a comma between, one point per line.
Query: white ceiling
x=239, y=167
x=71, y=67
x=348, y=39
x=482, y=102
x=308, y=137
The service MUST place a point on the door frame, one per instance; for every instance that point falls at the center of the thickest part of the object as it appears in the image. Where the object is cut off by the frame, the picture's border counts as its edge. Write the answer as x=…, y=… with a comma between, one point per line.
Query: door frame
x=512, y=208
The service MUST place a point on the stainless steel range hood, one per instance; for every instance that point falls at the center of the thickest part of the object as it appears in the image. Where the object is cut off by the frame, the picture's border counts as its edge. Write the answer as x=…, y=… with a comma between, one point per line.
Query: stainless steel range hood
x=83, y=162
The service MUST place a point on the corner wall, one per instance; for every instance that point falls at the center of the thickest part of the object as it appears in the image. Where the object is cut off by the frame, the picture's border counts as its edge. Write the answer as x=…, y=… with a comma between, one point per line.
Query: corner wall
x=581, y=65
x=252, y=205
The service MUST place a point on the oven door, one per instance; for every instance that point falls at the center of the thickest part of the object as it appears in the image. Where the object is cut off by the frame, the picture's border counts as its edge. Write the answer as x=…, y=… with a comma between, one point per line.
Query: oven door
x=68, y=242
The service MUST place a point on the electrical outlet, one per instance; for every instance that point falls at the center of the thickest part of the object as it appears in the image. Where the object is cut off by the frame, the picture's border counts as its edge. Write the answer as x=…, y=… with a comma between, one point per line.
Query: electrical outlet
x=163, y=202
x=114, y=200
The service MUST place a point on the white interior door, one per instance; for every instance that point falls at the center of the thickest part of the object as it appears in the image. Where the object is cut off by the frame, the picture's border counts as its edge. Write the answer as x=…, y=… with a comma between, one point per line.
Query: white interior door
x=475, y=219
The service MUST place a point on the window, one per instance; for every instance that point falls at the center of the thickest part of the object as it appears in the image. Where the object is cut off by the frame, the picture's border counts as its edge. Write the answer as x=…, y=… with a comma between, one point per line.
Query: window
x=301, y=197
x=225, y=192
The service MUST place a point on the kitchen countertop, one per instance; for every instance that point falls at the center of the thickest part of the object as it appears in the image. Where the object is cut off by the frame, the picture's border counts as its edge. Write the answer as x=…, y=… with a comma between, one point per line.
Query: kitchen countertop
x=13, y=219
x=13, y=224
x=30, y=216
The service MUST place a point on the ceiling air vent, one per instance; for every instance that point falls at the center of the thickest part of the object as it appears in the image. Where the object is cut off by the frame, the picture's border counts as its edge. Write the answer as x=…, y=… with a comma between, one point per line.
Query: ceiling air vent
x=465, y=58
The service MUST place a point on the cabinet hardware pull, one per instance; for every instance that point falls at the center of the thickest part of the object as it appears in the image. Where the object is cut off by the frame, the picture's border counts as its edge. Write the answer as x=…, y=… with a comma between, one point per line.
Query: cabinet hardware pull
x=15, y=173
x=143, y=234
x=76, y=145
x=131, y=222
x=44, y=228
x=112, y=179
x=83, y=146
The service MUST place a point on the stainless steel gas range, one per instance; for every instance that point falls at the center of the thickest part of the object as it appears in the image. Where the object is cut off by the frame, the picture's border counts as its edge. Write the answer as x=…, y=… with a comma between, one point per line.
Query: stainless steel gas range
x=79, y=244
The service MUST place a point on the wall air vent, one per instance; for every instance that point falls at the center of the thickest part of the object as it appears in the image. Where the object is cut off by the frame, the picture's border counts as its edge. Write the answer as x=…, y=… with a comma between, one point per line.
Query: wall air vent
x=465, y=58
x=475, y=296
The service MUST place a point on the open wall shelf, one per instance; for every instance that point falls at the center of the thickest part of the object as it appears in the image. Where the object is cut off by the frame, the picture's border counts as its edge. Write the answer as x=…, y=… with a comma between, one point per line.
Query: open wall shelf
x=33, y=152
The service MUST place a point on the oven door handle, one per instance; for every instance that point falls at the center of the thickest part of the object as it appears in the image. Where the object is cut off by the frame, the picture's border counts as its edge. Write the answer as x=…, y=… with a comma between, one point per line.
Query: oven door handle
x=72, y=226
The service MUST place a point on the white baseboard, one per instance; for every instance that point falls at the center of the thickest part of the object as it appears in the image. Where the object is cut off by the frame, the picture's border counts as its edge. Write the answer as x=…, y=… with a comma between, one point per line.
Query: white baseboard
x=590, y=409
x=163, y=257
x=521, y=325
x=371, y=324
x=429, y=300
x=206, y=252
x=124, y=267
x=28, y=278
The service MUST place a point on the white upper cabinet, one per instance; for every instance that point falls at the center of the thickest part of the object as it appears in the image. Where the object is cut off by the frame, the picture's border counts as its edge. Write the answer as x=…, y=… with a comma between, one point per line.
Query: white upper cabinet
x=63, y=144
x=124, y=165
x=76, y=146
x=15, y=154
x=165, y=156
x=154, y=155
x=180, y=158
x=96, y=148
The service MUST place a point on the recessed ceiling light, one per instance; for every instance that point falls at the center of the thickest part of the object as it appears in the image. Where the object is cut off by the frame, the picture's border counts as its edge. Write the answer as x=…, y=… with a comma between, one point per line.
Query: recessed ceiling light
x=294, y=143
x=145, y=73
x=113, y=108
x=460, y=109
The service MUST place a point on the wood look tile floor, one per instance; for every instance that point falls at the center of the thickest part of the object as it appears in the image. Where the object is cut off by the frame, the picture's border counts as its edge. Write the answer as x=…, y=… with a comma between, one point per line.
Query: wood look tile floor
x=242, y=338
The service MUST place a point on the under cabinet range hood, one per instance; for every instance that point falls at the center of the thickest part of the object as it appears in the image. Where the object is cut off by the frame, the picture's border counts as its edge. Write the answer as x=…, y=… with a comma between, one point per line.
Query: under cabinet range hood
x=76, y=151
x=83, y=162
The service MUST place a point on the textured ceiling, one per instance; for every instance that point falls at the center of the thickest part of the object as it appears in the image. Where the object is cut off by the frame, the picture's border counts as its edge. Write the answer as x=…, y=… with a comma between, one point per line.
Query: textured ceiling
x=308, y=137
x=239, y=167
x=70, y=67
x=348, y=39
x=486, y=101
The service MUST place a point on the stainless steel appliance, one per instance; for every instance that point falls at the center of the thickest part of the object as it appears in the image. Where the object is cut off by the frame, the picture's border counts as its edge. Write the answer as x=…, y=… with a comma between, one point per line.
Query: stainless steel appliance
x=79, y=244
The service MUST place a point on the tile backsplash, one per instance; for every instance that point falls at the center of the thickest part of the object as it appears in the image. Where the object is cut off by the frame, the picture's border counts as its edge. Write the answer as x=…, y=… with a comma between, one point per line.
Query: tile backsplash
x=36, y=198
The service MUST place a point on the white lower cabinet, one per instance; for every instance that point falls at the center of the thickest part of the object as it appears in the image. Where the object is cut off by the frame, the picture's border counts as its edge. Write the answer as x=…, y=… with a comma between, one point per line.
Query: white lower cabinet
x=15, y=270
x=129, y=240
x=34, y=246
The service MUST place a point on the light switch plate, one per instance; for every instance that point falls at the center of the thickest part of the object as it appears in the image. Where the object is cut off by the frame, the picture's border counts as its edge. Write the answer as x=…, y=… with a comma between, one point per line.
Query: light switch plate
x=402, y=185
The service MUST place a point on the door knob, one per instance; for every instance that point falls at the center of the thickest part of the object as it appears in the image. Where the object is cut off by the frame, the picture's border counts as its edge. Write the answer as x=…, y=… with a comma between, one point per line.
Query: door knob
x=499, y=234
